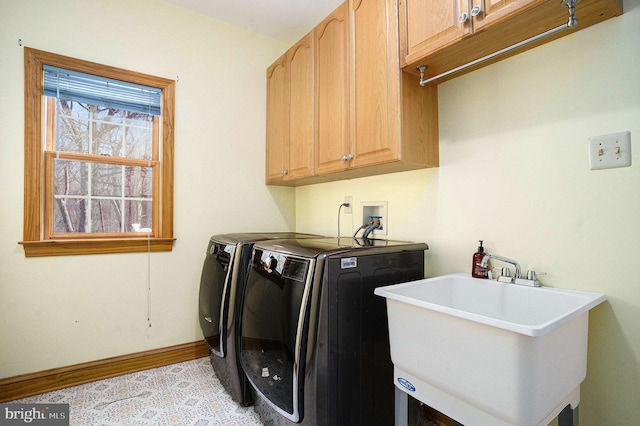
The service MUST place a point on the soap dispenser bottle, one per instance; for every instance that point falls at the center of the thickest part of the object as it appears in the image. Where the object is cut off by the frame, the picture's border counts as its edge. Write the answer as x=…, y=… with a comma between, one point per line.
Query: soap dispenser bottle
x=479, y=271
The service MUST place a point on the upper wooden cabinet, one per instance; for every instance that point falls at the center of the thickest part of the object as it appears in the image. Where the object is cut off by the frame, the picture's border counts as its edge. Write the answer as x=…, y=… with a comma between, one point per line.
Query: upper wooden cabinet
x=394, y=125
x=485, y=12
x=277, y=120
x=447, y=34
x=428, y=25
x=290, y=114
x=332, y=96
x=301, y=112
x=367, y=116
x=374, y=82
x=358, y=112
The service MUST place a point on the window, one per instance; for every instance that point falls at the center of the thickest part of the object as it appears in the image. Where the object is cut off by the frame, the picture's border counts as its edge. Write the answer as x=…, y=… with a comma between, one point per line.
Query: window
x=98, y=158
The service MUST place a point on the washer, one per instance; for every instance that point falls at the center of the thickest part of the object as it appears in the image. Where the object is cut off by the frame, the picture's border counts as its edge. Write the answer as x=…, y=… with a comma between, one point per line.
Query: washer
x=314, y=339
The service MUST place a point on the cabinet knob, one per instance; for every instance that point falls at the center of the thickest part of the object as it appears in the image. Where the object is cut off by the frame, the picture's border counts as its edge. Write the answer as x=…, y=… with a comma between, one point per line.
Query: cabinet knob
x=475, y=11
x=347, y=157
x=464, y=16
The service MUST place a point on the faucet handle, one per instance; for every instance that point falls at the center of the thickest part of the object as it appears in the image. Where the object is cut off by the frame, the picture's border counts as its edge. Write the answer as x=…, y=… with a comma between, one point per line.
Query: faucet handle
x=531, y=280
x=505, y=276
x=533, y=275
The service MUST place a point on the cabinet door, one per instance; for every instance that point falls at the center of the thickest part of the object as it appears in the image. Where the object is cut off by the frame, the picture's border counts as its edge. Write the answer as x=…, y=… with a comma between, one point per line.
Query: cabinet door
x=332, y=116
x=277, y=120
x=427, y=25
x=301, y=112
x=374, y=80
x=495, y=10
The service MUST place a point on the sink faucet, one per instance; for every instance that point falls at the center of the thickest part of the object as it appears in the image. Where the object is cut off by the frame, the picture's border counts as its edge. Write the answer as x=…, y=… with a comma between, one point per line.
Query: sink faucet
x=485, y=262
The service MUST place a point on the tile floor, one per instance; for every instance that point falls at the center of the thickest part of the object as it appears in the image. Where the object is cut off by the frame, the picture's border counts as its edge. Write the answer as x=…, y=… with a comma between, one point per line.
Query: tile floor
x=181, y=394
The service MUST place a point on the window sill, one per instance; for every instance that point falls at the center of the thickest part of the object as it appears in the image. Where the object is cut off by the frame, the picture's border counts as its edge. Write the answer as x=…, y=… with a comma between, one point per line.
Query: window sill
x=95, y=246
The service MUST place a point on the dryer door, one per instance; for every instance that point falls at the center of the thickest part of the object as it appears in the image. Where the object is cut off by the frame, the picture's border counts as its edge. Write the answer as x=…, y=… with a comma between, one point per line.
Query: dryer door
x=273, y=323
x=213, y=283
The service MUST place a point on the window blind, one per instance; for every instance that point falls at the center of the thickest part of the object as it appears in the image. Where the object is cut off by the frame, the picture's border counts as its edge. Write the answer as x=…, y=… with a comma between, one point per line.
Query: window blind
x=95, y=90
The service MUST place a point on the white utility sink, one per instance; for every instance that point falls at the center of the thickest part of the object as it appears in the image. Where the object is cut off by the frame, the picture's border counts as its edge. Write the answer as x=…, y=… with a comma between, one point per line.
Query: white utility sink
x=488, y=353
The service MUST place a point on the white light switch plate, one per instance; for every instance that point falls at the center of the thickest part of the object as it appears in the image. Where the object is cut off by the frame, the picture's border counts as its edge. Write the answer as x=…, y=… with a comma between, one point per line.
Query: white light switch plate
x=610, y=151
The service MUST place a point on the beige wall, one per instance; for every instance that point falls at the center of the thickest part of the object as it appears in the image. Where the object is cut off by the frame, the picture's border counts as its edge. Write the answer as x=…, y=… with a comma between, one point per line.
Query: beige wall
x=65, y=310
x=514, y=171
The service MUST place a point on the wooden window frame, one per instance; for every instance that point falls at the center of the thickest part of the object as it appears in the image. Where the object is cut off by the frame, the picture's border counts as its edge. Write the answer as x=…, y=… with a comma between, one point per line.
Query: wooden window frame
x=35, y=242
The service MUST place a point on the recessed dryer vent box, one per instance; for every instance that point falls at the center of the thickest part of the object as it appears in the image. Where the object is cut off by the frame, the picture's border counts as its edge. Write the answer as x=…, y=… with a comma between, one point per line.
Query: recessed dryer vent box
x=376, y=208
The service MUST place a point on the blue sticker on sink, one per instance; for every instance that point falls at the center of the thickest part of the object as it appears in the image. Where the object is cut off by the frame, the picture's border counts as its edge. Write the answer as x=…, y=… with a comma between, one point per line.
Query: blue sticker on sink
x=406, y=384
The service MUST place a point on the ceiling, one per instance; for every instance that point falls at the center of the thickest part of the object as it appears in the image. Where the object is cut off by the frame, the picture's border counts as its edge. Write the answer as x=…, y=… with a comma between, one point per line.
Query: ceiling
x=284, y=20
